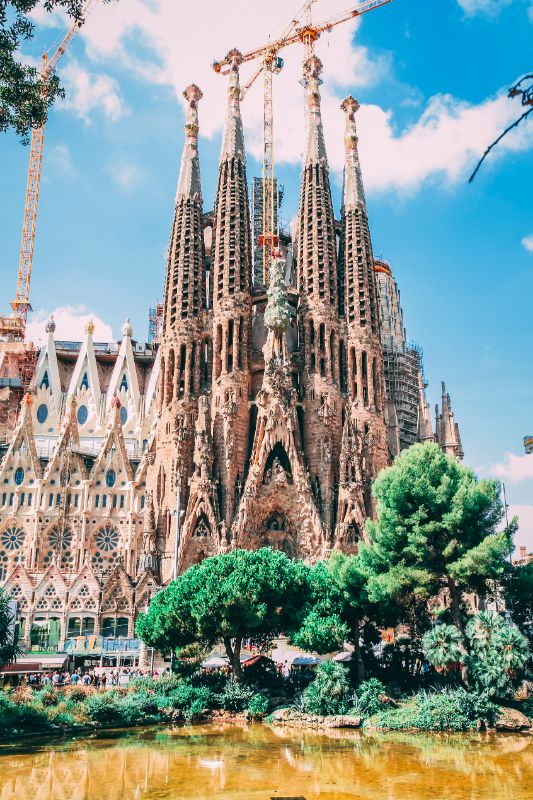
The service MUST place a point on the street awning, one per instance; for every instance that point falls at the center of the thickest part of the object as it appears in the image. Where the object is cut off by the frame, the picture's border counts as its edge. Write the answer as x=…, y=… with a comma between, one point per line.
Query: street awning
x=35, y=663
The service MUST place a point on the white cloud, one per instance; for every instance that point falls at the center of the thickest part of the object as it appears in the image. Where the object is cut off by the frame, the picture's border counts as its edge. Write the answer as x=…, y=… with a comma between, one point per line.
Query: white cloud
x=443, y=144
x=513, y=469
x=60, y=156
x=527, y=241
x=525, y=525
x=87, y=92
x=490, y=7
x=70, y=325
x=126, y=176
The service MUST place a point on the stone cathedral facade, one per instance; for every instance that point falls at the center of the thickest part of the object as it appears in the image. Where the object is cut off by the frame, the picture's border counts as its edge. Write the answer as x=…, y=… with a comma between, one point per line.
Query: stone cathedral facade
x=261, y=419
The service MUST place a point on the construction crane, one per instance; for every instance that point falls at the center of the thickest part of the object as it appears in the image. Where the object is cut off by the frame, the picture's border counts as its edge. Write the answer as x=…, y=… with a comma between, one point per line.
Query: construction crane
x=14, y=325
x=271, y=63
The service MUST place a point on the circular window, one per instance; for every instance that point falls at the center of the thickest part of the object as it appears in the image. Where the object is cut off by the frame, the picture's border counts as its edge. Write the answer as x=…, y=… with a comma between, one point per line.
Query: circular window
x=19, y=476
x=82, y=415
x=123, y=415
x=42, y=413
x=107, y=539
x=12, y=538
x=60, y=540
x=110, y=478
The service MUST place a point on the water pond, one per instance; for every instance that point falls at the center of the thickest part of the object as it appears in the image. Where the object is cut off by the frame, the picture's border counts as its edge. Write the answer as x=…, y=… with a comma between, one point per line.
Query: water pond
x=258, y=763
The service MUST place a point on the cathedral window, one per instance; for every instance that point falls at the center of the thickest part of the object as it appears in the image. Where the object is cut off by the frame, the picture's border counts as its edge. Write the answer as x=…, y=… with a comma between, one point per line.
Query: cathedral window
x=104, y=500
x=84, y=381
x=45, y=382
x=229, y=347
x=122, y=501
x=12, y=538
x=19, y=476
x=82, y=415
x=97, y=501
x=42, y=413
x=110, y=478
x=123, y=415
x=124, y=382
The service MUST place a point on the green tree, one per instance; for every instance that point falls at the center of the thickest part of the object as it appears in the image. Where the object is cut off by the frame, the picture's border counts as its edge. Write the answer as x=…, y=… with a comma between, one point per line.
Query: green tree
x=234, y=596
x=329, y=692
x=442, y=646
x=436, y=528
x=518, y=593
x=498, y=653
x=24, y=97
x=338, y=607
x=8, y=643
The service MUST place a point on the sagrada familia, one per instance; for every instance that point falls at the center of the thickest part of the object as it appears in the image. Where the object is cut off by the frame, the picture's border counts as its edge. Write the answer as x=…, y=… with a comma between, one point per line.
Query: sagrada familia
x=260, y=418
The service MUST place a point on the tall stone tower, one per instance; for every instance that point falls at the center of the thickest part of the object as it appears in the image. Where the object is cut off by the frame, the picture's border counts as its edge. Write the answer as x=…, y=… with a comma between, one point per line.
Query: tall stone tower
x=180, y=351
x=231, y=304
x=319, y=311
x=364, y=436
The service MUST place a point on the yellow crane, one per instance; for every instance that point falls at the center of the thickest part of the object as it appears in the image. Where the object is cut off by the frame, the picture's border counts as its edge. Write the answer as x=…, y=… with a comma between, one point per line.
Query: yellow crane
x=305, y=33
x=15, y=324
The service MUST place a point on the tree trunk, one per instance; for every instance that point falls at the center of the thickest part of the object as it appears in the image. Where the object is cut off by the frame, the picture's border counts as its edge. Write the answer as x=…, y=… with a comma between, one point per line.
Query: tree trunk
x=455, y=598
x=234, y=655
x=361, y=673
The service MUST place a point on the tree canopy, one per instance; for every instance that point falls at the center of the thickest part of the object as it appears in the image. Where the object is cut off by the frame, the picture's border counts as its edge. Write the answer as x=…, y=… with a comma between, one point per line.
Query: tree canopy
x=233, y=596
x=437, y=527
x=24, y=97
x=8, y=644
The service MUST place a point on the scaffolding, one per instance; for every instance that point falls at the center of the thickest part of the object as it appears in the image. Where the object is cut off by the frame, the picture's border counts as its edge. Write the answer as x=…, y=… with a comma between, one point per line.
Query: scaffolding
x=402, y=368
x=256, y=202
x=155, y=323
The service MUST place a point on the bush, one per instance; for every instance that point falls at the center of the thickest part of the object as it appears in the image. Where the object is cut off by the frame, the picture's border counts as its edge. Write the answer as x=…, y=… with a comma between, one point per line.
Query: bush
x=329, y=692
x=236, y=696
x=258, y=706
x=103, y=708
x=450, y=710
x=21, y=718
x=190, y=700
x=368, y=697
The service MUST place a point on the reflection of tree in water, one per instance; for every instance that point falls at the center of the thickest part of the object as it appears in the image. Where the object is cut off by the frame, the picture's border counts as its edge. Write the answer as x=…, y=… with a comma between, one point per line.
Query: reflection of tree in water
x=251, y=761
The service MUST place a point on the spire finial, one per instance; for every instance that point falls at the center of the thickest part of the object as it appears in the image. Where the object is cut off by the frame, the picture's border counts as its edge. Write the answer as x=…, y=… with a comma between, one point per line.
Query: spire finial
x=50, y=324
x=233, y=139
x=89, y=328
x=316, y=149
x=354, y=193
x=189, y=180
x=127, y=329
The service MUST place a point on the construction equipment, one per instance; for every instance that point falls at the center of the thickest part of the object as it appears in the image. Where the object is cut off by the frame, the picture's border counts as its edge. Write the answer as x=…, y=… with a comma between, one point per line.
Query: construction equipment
x=271, y=63
x=14, y=326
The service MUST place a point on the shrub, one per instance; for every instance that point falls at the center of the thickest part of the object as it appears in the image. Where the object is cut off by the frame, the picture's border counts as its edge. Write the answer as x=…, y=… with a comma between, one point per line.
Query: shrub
x=258, y=706
x=190, y=700
x=450, y=710
x=499, y=654
x=236, y=696
x=329, y=691
x=368, y=697
x=21, y=718
x=442, y=646
x=103, y=708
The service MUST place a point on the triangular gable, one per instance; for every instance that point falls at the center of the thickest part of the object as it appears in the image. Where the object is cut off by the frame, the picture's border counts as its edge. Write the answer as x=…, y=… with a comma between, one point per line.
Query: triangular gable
x=152, y=385
x=124, y=365
x=47, y=370
x=23, y=433
x=69, y=437
x=86, y=364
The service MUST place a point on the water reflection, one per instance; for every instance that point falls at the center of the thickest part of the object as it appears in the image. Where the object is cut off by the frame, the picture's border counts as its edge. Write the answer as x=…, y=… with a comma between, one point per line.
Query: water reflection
x=258, y=762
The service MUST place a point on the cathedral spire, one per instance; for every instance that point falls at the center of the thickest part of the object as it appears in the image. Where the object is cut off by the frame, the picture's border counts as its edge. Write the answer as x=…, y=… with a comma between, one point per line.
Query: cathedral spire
x=316, y=256
x=353, y=191
x=184, y=285
x=189, y=179
x=425, y=432
x=446, y=428
x=360, y=293
x=233, y=138
x=316, y=148
x=231, y=237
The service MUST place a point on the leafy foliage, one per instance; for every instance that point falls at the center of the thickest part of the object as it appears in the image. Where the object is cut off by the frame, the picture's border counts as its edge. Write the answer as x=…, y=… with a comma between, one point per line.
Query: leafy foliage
x=498, y=654
x=437, y=527
x=8, y=643
x=21, y=717
x=442, y=646
x=329, y=693
x=232, y=596
x=369, y=696
x=25, y=97
x=450, y=710
x=518, y=592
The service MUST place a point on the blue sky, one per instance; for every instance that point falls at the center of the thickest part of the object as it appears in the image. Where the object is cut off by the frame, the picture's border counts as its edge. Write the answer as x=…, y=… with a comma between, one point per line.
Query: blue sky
x=431, y=77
